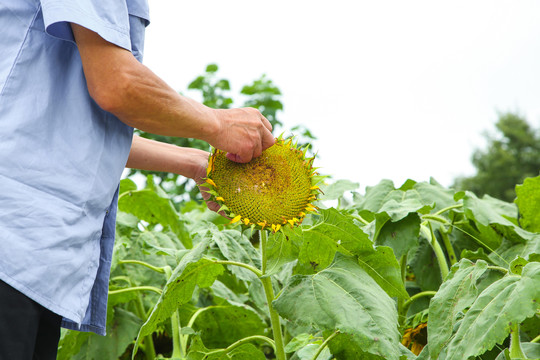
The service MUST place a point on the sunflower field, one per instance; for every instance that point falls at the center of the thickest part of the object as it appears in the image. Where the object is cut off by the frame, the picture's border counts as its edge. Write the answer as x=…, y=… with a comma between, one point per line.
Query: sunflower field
x=417, y=271
x=323, y=271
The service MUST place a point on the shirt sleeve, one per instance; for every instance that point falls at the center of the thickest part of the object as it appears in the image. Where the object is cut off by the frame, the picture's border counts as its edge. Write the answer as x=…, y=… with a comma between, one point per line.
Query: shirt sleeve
x=110, y=19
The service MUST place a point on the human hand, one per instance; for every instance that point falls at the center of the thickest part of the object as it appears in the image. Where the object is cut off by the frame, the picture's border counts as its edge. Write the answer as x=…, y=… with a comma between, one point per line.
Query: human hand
x=243, y=133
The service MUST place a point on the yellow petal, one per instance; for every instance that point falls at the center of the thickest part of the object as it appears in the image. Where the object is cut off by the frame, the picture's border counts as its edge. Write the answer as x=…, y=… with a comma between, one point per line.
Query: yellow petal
x=301, y=214
x=292, y=222
x=246, y=221
x=314, y=187
x=262, y=224
x=219, y=198
x=211, y=182
x=236, y=219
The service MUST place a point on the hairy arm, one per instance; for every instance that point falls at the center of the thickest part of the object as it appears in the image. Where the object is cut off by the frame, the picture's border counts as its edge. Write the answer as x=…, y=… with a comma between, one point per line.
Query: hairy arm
x=123, y=86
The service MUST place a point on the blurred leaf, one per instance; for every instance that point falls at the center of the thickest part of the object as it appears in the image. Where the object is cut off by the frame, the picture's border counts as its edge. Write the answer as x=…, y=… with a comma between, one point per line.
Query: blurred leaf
x=220, y=326
x=336, y=189
x=528, y=202
x=147, y=205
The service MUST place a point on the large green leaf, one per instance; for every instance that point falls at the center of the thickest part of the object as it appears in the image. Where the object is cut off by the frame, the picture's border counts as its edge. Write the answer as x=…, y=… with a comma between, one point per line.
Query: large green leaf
x=507, y=301
x=343, y=296
x=455, y=295
x=220, y=326
x=192, y=271
x=528, y=202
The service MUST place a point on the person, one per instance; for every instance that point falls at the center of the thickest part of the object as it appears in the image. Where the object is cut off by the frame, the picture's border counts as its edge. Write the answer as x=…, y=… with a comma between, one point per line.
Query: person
x=72, y=88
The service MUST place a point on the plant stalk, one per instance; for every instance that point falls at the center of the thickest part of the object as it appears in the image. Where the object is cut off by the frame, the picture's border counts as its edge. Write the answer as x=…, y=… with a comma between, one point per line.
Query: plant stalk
x=138, y=262
x=408, y=303
x=515, y=346
x=403, y=266
x=148, y=342
x=448, y=245
x=269, y=292
x=439, y=253
x=324, y=344
x=178, y=346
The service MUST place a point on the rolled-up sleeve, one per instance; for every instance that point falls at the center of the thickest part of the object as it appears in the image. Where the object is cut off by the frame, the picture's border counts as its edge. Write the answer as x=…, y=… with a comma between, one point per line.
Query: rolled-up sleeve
x=110, y=19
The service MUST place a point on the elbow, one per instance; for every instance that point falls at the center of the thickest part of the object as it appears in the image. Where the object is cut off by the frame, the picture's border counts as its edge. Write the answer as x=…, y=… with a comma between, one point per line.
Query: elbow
x=106, y=96
x=110, y=94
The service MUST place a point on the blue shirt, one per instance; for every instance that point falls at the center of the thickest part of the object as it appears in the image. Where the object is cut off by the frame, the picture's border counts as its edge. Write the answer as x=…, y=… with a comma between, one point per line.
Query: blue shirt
x=61, y=155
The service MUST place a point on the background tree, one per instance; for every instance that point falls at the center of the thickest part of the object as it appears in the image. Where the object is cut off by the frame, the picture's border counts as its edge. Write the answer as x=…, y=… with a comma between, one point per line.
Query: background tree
x=512, y=154
x=261, y=94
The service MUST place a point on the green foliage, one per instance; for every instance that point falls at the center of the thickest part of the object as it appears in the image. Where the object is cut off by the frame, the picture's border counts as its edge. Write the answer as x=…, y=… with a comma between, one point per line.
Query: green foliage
x=353, y=282
x=511, y=156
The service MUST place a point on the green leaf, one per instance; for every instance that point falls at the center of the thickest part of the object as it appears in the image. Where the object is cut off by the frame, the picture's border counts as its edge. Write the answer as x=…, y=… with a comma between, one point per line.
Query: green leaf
x=220, y=326
x=280, y=250
x=343, y=296
x=298, y=342
x=246, y=352
x=425, y=267
x=120, y=333
x=528, y=202
x=384, y=268
x=336, y=189
x=455, y=295
x=494, y=213
x=507, y=301
x=211, y=68
x=234, y=246
x=516, y=266
x=192, y=271
x=334, y=232
x=434, y=193
x=401, y=236
x=147, y=205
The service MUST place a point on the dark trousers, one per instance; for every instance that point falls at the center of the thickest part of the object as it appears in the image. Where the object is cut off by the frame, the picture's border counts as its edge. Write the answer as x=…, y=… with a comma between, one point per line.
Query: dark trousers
x=28, y=331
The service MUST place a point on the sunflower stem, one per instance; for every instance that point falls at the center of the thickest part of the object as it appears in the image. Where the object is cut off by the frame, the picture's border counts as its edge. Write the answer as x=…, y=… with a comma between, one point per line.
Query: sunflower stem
x=269, y=292
x=515, y=346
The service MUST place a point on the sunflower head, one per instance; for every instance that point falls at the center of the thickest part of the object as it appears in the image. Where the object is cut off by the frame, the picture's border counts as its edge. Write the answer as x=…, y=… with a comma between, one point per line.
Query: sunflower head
x=274, y=190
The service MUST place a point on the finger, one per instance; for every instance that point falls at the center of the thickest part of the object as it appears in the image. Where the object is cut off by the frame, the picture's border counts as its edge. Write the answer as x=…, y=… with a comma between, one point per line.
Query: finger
x=257, y=150
x=267, y=140
x=235, y=157
x=266, y=123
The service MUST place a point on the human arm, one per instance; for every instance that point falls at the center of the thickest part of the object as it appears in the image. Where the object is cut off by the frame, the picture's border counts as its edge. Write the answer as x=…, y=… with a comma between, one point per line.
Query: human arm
x=153, y=155
x=123, y=86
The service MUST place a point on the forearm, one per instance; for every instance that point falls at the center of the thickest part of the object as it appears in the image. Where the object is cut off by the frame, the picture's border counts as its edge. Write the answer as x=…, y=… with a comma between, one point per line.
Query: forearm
x=152, y=155
x=144, y=101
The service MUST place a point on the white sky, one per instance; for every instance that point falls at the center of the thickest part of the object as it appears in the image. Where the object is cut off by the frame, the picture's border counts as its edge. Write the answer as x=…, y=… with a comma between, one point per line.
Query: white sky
x=392, y=89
